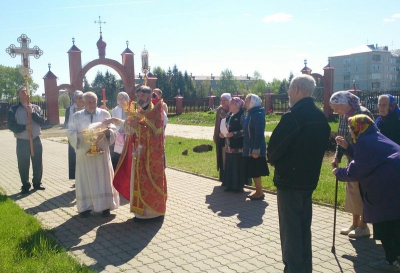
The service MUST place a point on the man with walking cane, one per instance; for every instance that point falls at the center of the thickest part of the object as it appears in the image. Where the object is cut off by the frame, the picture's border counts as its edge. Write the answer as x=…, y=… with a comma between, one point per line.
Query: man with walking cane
x=296, y=149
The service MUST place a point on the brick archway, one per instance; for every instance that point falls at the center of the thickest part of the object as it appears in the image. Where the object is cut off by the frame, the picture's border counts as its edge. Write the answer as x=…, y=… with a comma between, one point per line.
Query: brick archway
x=127, y=79
x=77, y=72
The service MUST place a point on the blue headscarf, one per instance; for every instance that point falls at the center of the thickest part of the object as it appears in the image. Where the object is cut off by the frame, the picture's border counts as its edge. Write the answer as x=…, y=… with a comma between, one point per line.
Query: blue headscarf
x=393, y=110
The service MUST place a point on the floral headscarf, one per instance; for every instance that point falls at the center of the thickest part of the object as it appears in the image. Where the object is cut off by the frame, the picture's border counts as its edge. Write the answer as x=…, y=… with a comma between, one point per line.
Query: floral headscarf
x=393, y=109
x=254, y=101
x=237, y=101
x=345, y=97
x=359, y=124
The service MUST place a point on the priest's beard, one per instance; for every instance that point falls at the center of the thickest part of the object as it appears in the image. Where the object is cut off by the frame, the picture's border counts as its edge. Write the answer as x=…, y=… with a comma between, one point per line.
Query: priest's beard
x=143, y=103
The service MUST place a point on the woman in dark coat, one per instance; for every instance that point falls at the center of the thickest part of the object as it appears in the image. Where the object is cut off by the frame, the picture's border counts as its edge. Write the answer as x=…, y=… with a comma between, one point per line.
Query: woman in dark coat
x=376, y=166
x=254, y=146
x=222, y=111
x=234, y=175
x=388, y=121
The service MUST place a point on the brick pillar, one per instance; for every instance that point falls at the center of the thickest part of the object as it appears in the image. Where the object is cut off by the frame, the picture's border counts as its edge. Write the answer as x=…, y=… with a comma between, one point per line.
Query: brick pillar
x=268, y=102
x=50, y=87
x=75, y=66
x=179, y=104
x=328, y=89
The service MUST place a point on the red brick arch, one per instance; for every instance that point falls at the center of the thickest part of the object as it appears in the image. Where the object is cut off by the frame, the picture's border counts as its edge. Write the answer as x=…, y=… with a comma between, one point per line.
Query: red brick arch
x=128, y=80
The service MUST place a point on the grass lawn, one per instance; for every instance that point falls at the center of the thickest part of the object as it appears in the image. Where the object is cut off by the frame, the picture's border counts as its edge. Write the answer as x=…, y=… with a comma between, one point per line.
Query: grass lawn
x=208, y=119
x=205, y=164
x=26, y=247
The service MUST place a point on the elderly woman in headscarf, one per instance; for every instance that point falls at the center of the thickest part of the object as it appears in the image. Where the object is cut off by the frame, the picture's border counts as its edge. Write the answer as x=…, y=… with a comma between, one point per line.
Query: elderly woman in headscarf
x=375, y=165
x=388, y=121
x=222, y=111
x=347, y=105
x=254, y=146
x=234, y=177
x=77, y=105
x=118, y=112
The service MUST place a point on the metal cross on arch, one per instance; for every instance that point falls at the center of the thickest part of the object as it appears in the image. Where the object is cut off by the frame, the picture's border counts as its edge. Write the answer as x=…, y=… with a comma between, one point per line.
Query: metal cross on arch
x=25, y=52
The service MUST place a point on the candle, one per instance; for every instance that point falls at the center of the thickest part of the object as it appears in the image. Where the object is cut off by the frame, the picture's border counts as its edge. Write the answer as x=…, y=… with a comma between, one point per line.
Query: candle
x=104, y=93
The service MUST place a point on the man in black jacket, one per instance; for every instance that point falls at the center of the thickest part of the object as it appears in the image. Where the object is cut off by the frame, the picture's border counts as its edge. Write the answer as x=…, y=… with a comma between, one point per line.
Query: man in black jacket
x=17, y=121
x=296, y=149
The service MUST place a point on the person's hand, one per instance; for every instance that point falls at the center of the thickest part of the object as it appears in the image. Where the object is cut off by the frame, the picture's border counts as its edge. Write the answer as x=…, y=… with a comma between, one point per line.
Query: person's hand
x=229, y=134
x=334, y=171
x=133, y=122
x=221, y=135
x=29, y=109
x=28, y=127
x=341, y=142
x=335, y=163
x=108, y=121
x=254, y=155
x=79, y=135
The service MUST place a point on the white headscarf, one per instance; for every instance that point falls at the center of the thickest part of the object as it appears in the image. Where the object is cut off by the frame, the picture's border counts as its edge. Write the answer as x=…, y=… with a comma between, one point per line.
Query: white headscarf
x=76, y=94
x=226, y=96
x=254, y=101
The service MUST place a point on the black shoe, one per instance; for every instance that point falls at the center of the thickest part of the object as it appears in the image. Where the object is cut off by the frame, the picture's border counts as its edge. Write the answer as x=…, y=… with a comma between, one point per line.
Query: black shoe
x=24, y=190
x=253, y=198
x=105, y=213
x=40, y=187
x=85, y=214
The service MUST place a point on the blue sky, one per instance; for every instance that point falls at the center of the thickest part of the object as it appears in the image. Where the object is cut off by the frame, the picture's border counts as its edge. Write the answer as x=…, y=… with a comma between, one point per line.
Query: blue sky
x=201, y=37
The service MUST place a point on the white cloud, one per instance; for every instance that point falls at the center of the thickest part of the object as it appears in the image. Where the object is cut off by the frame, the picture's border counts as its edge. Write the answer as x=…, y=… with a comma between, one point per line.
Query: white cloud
x=278, y=18
x=392, y=18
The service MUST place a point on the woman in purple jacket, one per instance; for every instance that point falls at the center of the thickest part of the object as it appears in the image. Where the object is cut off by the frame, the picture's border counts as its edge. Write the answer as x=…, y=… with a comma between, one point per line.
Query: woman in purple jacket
x=376, y=166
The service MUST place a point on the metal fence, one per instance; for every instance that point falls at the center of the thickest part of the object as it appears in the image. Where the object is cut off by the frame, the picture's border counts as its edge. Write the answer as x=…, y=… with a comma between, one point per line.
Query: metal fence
x=369, y=99
x=4, y=106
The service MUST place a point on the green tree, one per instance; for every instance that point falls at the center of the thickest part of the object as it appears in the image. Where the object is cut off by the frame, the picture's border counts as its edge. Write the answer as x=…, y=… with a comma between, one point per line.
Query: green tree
x=259, y=87
x=290, y=77
x=63, y=101
x=284, y=87
x=109, y=83
x=86, y=85
x=10, y=80
x=274, y=85
x=203, y=88
x=227, y=82
x=257, y=75
x=37, y=98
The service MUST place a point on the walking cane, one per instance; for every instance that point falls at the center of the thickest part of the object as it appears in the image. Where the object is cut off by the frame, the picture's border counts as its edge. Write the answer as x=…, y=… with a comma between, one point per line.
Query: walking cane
x=333, y=250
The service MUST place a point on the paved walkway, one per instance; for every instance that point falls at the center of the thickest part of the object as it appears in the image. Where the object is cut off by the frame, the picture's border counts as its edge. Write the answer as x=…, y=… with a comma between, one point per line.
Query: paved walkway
x=205, y=229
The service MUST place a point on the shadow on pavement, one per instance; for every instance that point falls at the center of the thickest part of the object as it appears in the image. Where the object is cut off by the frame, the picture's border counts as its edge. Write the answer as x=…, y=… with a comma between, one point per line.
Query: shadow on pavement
x=132, y=238
x=227, y=204
x=64, y=200
x=365, y=249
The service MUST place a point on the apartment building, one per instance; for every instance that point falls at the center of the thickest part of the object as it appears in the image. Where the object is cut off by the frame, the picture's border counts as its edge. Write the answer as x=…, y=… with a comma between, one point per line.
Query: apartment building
x=369, y=67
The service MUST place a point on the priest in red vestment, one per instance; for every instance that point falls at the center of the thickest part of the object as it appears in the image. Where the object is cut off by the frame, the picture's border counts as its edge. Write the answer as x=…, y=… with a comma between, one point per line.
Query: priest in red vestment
x=140, y=175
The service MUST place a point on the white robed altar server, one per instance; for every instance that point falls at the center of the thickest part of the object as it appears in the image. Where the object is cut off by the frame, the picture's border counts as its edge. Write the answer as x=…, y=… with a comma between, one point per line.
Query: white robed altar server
x=94, y=173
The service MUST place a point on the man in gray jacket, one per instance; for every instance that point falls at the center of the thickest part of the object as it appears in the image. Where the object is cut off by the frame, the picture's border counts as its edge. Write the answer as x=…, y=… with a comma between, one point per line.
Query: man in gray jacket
x=17, y=120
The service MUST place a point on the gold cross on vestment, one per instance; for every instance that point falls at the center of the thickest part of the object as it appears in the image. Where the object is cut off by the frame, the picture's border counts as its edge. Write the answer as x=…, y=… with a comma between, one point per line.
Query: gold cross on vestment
x=25, y=52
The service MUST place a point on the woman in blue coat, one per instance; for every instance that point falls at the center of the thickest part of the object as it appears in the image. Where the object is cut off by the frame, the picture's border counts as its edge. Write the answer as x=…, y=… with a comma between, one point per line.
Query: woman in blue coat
x=376, y=166
x=254, y=146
